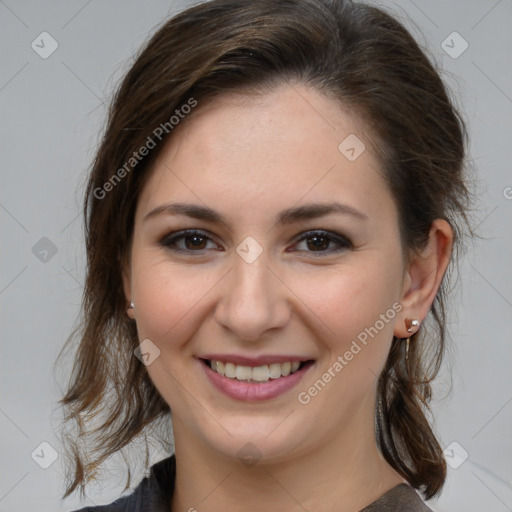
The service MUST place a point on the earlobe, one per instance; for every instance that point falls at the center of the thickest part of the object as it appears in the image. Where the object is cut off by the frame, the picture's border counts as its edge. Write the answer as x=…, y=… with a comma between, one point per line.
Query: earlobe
x=130, y=311
x=424, y=275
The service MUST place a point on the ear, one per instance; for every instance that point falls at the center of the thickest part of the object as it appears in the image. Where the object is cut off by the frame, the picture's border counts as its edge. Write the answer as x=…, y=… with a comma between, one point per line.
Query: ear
x=126, y=275
x=424, y=274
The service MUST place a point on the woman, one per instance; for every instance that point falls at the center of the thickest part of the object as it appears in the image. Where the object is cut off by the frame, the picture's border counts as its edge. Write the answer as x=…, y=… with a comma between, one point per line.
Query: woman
x=270, y=218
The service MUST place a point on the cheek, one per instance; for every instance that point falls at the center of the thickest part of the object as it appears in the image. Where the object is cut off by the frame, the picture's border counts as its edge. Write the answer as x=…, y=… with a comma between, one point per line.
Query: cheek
x=354, y=304
x=360, y=310
x=169, y=301
x=348, y=299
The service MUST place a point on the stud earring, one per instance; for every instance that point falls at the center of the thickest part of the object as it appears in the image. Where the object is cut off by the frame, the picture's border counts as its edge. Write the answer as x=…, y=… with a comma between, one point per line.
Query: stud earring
x=411, y=324
x=132, y=305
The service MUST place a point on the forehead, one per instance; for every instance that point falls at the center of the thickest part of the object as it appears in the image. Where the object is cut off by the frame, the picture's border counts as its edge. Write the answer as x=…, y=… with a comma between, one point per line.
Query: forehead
x=257, y=153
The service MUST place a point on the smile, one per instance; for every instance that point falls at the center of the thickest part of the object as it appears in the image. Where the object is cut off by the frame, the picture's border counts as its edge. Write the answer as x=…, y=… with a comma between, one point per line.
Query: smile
x=254, y=381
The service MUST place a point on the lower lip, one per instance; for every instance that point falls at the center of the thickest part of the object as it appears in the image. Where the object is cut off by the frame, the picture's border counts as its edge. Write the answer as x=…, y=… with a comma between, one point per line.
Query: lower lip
x=254, y=391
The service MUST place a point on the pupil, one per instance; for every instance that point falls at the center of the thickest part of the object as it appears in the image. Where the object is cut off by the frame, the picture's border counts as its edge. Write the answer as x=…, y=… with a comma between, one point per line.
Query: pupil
x=318, y=242
x=197, y=240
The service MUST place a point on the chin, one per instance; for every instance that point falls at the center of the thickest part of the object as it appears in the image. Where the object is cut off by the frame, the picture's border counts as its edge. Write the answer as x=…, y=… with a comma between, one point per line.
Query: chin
x=251, y=439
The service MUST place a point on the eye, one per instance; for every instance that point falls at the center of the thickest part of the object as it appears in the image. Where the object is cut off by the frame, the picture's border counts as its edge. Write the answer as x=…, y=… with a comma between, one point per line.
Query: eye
x=319, y=242
x=187, y=241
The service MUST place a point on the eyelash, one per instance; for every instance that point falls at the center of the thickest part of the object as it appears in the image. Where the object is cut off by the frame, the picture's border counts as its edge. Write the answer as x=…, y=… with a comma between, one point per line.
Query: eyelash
x=170, y=240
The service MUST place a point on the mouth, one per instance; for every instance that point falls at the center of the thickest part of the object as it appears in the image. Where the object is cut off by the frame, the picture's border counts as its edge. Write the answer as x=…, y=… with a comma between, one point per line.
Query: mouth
x=254, y=381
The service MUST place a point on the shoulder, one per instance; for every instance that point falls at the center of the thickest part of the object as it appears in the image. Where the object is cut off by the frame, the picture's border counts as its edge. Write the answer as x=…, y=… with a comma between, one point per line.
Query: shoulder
x=152, y=494
x=402, y=498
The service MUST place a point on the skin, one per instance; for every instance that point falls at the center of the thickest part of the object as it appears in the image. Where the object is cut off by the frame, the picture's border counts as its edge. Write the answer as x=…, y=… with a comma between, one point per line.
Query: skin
x=250, y=157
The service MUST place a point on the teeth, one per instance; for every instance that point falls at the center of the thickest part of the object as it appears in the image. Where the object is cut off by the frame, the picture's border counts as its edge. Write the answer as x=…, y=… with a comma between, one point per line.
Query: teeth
x=243, y=373
x=274, y=370
x=258, y=373
x=230, y=370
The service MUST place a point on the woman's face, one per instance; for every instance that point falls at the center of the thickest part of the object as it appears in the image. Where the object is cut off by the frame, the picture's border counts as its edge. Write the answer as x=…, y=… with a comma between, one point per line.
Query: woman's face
x=277, y=281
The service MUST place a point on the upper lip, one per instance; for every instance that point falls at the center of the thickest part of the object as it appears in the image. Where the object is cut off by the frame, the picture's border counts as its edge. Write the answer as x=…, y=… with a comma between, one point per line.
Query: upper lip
x=255, y=360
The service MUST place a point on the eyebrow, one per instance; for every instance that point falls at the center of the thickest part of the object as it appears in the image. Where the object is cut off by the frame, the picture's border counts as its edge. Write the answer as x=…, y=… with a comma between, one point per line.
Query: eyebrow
x=288, y=216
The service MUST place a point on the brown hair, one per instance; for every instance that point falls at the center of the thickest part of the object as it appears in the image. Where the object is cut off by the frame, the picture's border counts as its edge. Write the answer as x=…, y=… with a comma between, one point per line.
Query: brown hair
x=355, y=53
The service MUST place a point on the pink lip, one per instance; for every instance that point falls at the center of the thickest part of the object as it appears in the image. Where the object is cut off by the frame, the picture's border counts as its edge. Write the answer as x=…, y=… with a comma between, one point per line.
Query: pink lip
x=253, y=361
x=254, y=391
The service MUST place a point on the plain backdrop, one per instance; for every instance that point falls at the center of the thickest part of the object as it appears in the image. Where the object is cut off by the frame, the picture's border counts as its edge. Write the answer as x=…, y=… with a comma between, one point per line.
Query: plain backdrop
x=52, y=110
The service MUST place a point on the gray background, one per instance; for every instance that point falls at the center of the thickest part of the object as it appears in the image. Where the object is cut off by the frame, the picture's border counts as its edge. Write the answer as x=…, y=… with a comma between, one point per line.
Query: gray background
x=52, y=111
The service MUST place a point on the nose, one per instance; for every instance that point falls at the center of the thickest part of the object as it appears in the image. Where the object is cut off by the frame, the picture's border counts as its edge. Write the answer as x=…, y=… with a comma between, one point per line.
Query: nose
x=253, y=301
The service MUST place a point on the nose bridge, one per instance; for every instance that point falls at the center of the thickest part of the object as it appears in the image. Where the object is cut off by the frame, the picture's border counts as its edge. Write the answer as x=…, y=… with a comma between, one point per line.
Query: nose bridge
x=253, y=300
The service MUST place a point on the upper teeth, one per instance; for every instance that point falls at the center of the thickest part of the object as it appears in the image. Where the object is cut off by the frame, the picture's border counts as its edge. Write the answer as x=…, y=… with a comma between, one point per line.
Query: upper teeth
x=258, y=373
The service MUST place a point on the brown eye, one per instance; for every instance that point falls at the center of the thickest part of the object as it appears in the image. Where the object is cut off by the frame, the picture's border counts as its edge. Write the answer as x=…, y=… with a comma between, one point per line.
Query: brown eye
x=323, y=241
x=195, y=242
x=187, y=241
x=318, y=243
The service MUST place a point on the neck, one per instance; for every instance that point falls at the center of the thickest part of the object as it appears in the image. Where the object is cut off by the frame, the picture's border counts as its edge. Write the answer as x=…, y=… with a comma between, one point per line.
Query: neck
x=345, y=474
